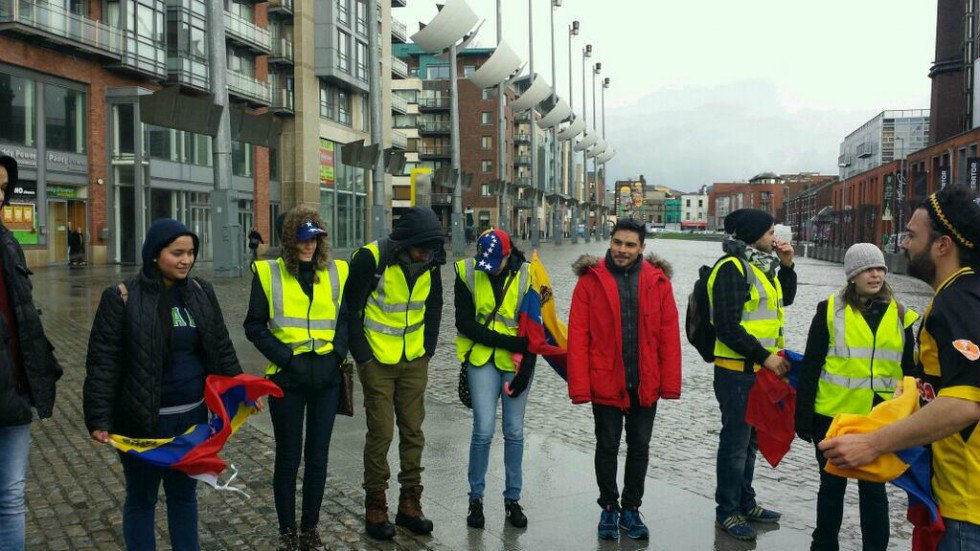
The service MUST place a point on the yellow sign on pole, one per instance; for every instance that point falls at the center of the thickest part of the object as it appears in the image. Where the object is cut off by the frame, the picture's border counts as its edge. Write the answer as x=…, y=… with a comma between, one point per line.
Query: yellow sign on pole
x=416, y=172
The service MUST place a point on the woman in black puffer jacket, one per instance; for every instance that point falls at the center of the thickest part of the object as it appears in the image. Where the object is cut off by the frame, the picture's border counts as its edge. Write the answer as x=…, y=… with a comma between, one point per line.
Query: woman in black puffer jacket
x=154, y=341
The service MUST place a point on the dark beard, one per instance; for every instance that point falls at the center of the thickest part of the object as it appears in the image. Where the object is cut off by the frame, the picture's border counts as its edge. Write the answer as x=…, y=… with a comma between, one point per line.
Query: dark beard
x=921, y=266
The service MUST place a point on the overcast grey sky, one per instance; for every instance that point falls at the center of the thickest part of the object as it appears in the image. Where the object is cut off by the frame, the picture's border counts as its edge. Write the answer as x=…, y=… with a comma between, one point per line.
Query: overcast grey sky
x=719, y=90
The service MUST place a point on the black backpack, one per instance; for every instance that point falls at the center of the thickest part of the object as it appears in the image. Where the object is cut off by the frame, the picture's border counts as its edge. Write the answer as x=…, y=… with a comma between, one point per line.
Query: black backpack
x=700, y=331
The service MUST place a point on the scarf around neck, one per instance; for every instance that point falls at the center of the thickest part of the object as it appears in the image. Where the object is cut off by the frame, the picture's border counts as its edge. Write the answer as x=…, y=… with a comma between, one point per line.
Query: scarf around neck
x=767, y=262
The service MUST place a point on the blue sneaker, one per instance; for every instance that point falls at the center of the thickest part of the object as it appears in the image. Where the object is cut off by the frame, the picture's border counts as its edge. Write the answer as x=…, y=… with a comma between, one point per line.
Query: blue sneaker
x=608, y=524
x=737, y=527
x=758, y=514
x=632, y=523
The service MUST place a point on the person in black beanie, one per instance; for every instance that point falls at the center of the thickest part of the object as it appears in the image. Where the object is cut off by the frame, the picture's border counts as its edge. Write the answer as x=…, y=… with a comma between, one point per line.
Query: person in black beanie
x=748, y=287
x=942, y=243
x=395, y=298
x=154, y=340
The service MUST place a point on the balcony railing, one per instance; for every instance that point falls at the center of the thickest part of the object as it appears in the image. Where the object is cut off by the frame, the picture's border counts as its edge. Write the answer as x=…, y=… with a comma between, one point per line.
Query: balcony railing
x=247, y=32
x=63, y=26
x=523, y=117
x=282, y=50
x=399, y=68
x=434, y=103
x=282, y=101
x=399, y=140
x=399, y=31
x=435, y=127
x=435, y=150
x=522, y=160
x=522, y=138
x=249, y=88
x=522, y=181
x=282, y=6
x=399, y=104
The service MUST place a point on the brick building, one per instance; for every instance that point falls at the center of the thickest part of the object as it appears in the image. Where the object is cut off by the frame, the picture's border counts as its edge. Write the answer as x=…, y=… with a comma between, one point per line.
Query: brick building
x=764, y=191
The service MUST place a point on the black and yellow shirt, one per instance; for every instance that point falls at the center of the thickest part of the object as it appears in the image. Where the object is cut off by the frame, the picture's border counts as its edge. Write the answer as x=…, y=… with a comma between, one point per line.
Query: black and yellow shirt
x=948, y=339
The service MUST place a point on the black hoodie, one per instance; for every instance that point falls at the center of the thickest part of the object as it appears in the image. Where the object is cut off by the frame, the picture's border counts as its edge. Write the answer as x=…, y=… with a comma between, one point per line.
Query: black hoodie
x=418, y=226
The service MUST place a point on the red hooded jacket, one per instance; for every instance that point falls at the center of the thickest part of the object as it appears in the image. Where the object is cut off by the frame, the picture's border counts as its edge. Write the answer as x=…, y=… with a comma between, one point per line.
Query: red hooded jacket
x=595, y=336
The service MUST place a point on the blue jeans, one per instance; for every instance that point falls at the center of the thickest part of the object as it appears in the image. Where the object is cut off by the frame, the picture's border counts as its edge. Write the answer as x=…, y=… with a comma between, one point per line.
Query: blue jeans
x=737, y=446
x=143, y=485
x=14, y=442
x=486, y=386
x=960, y=536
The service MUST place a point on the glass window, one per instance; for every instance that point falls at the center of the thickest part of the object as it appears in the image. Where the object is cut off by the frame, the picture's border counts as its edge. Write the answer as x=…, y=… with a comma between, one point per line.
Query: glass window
x=362, y=61
x=361, y=16
x=273, y=214
x=486, y=166
x=485, y=117
x=485, y=190
x=17, y=104
x=343, y=11
x=273, y=164
x=202, y=151
x=437, y=72
x=488, y=94
x=327, y=102
x=468, y=70
x=343, y=51
x=486, y=142
x=344, y=215
x=158, y=140
x=241, y=159
x=343, y=107
x=326, y=213
x=64, y=119
x=124, y=131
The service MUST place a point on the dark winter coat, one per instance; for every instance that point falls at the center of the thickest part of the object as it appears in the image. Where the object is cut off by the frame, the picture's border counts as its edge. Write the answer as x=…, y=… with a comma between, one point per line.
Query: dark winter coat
x=41, y=369
x=129, y=348
x=596, y=371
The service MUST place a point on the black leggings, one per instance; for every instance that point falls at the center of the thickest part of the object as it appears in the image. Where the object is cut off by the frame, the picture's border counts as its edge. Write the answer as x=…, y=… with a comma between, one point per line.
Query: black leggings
x=319, y=408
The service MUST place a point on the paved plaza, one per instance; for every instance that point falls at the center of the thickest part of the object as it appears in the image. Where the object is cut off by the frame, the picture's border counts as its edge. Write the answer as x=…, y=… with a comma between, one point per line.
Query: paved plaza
x=75, y=487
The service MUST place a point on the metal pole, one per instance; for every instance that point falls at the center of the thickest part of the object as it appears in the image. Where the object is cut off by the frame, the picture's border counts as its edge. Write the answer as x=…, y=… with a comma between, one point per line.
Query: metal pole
x=379, y=218
x=585, y=172
x=535, y=238
x=605, y=226
x=459, y=245
x=573, y=188
x=595, y=168
x=555, y=207
x=226, y=244
x=503, y=214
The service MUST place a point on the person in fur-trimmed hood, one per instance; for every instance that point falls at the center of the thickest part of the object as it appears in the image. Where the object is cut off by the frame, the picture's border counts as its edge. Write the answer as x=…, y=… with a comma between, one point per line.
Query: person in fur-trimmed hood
x=624, y=353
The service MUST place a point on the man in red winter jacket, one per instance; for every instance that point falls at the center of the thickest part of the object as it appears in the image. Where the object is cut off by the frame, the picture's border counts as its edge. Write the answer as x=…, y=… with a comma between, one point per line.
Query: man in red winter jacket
x=624, y=354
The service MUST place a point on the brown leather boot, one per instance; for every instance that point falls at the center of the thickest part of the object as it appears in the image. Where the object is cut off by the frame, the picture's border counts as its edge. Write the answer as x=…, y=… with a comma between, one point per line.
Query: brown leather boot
x=410, y=511
x=376, y=517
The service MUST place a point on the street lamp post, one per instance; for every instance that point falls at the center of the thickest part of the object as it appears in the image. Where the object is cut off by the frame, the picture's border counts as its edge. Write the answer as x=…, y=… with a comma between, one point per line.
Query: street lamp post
x=596, y=69
x=572, y=31
x=459, y=239
x=605, y=84
x=503, y=214
x=555, y=210
x=535, y=238
x=586, y=53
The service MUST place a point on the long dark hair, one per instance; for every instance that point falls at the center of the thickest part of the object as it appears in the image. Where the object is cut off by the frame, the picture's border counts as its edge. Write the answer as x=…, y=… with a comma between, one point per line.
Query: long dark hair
x=849, y=295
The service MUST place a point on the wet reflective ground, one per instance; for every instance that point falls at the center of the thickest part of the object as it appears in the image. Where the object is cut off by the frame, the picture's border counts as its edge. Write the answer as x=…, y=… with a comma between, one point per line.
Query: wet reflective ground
x=559, y=485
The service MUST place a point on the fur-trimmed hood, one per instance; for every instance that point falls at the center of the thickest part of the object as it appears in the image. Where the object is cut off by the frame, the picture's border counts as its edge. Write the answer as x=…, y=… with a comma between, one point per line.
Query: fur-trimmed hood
x=290, y=225
x=581, y=266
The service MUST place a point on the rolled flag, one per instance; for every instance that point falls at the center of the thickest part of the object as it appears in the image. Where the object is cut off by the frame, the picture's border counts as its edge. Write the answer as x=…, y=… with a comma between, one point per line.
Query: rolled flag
x=538, y=321
x=230, y=401
x=771, y=408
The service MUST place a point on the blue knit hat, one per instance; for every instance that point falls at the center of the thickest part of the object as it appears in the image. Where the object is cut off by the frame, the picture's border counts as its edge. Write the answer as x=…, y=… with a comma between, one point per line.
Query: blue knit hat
x=162, y=232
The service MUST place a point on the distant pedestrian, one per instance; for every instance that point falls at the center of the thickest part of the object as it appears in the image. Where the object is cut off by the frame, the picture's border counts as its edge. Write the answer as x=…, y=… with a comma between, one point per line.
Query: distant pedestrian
x=747, y=304
x=624, y=354
x=155, y=338
x=489, y=290
x=254, y=240
x=861, y=334
x=297, y=319
x=76, y=246
x=28, y=372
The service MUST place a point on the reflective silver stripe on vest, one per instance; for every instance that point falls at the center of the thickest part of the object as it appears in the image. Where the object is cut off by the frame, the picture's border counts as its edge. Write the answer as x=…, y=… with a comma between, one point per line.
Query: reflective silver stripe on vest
x=767, y=343
x=312, y=343
x=841, y=350
x=522, y=279
x=763, y=312
x=858, y=383
x=388, y=330
x=281, y=321
x=389, y=308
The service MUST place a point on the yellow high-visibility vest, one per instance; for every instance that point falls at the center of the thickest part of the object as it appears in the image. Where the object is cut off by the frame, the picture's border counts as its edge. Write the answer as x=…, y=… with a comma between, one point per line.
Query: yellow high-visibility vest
x=302, y=324
x=504, y=321
x=860, y=363
x=394, y=316
x=762, y=313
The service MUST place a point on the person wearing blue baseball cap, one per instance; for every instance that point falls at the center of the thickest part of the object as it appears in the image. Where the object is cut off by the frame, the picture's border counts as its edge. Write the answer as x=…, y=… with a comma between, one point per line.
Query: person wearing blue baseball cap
x=298, y=320
x=489, y=290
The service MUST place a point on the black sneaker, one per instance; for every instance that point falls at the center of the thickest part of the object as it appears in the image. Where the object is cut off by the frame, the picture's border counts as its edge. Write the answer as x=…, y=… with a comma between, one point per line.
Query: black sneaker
x=475, y=517
x=515, y=515
x=288, y=541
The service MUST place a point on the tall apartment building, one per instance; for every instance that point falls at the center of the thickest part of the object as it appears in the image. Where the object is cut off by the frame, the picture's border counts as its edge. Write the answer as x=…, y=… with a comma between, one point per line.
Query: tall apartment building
x=888, y=136
x=72, y=73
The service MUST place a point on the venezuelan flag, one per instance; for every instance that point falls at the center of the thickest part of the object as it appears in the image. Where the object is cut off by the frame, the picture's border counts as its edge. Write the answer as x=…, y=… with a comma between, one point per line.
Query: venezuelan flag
x=910, y=469
x=230, y=400
x=538, y=321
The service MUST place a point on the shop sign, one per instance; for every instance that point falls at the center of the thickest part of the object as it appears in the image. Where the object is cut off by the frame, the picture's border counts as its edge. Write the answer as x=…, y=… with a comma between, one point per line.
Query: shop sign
x=62, y=192
x=326, y=163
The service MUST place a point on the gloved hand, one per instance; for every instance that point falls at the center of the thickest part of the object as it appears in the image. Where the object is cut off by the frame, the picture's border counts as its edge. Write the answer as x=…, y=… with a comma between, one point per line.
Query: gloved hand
x=523, y=377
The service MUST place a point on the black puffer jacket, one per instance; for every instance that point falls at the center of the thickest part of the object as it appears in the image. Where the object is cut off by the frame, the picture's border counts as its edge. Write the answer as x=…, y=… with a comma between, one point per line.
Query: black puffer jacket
x=40, y=366
x=129, y=347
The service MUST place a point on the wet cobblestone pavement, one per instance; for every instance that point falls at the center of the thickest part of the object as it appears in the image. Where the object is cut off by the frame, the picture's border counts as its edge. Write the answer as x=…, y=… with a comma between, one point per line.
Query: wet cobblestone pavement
x=75, y=487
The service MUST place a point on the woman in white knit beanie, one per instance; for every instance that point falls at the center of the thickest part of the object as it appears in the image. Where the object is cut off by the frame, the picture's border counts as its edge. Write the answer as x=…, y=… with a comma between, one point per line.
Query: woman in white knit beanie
x=859, y=347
